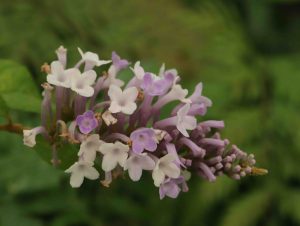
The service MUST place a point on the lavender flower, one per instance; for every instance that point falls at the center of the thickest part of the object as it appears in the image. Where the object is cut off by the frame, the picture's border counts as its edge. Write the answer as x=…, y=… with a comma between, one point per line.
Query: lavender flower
x=172, y=187
x=87, y=122
x=117, y=62
x=121, y=130
x=143, y=139
x=156, y=86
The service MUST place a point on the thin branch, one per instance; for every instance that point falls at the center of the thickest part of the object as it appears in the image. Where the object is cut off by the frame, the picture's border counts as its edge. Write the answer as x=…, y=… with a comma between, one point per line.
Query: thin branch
x=12, y=128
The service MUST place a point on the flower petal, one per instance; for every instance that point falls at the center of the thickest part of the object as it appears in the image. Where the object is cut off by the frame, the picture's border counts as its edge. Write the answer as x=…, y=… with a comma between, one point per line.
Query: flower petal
x=138, y=70
x=171, y=189
x=129, y=108
x=182, y=130
x=91, y=173
x=109, y=162
x=89, y=77
x=131, y=94
x=158, y=177
x=76, y=180
x=102, y=62
x=105, y=148
x=147, y=163
x=85, y=92
x=135, y=172
x=88, y=154
x=57, y=68
x=121, y=158
x=171, y=170
x=151, y=145
x=168, y=158
x=114, y=107
x=114, y=92
x=51, y=78
x=137, y=147
x=190, y=122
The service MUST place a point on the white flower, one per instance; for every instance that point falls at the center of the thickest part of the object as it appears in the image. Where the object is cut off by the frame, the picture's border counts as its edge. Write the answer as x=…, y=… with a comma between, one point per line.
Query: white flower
x=114, y=153
x=138, y=70
x=122, y=101
x=79, y=171
x=89, y=147
x=179, y=93
x=176, y=93
x=184, y=121
x=81, y=83
x=30, y=135
x=92, y=59
x=108, y=118
x=111, y=79
x=29, y=138
x=59, y=76
x=136, y=163
x=165, y=167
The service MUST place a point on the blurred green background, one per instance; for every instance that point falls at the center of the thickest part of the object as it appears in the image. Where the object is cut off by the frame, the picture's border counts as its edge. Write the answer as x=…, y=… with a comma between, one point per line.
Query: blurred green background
x=246, y=52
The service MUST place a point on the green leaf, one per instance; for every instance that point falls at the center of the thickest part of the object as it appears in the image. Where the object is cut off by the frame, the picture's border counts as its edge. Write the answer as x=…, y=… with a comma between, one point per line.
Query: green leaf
x=22, y=102
x=67, y=153
x=3, y=108
x=17, y=88
x=22, y=170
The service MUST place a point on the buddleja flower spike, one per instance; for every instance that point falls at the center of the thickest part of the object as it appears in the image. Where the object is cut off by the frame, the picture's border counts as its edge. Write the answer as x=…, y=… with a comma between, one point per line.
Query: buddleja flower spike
x=117, y=128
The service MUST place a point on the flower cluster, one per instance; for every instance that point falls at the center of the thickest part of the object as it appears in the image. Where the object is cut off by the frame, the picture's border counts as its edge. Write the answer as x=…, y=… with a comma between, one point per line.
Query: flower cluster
x=118, y=127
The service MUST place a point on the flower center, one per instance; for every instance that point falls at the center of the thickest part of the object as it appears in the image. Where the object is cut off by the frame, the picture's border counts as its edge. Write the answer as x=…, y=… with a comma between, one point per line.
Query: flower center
x=135, y=160
x=79, y=85
x=61, y=77
x=122, y=102
x=86, y=123
x=141, y=137
x=90, y=144
x=116, y=151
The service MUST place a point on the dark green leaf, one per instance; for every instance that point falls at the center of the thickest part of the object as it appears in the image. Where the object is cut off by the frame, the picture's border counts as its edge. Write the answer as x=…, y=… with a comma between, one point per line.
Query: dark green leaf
x=17, y=89
x=67, y=153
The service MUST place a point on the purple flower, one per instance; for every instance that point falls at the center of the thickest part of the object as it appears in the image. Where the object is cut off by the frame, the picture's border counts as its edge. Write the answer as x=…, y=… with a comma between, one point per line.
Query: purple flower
x=87, y=122
x=118, y=62
x=172, y=188
x=156, y=86
x=143, y=139
x=176, y=143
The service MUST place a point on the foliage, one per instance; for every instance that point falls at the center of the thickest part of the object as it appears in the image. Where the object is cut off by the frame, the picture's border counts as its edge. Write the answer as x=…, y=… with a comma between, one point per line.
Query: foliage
x=16, y=85
x=245, y=52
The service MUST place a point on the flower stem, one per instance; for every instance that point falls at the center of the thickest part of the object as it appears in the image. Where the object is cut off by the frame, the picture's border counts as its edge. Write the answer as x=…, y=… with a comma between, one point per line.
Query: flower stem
x=12, y=128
